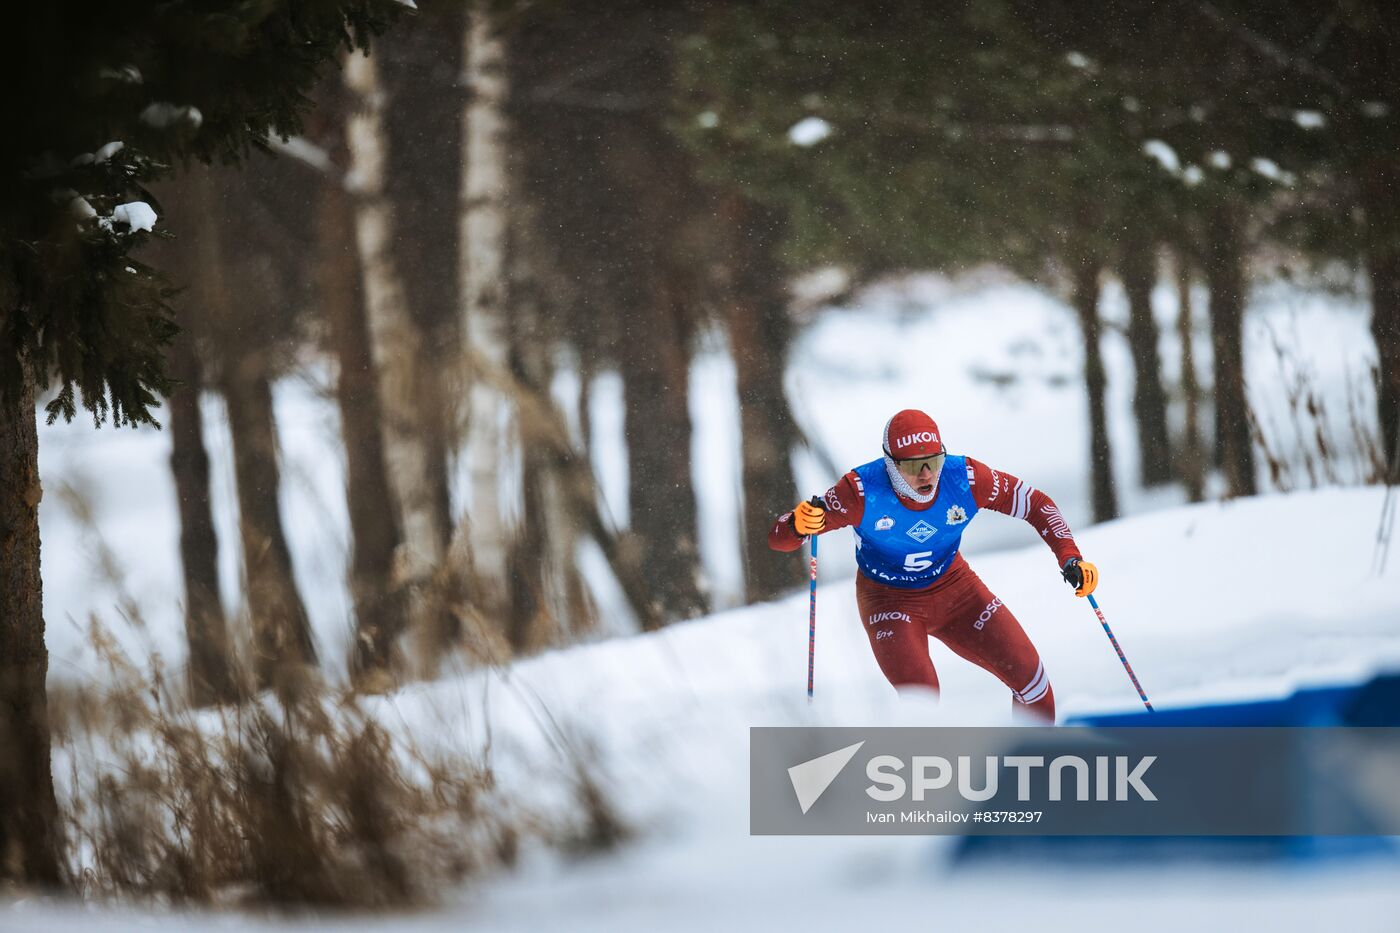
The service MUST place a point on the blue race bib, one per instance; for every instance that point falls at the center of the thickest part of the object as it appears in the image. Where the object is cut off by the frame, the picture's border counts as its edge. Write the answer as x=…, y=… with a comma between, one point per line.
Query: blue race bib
x=900, y=547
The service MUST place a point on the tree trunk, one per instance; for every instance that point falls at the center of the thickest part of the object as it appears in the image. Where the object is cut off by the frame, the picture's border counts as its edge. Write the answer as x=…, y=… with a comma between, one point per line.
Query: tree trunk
x=282, y=640
x=529, y=559
x=1190, y=456
x=1224, y=268
x=29, y=836
x=397, y=348
x=655, y=356
x=760, y=335
x=1139, y=271
x=1085, y=300
x=621, y=216
x=548, y=597
x=420, y=72
x=575, y=492
x=213, y=673
x=658, y=430
x=1380, y=182
x=526, y=560
x=380, y=612
x=660, y=318
x=486, y=303
x=211, y=668
x=587, y=372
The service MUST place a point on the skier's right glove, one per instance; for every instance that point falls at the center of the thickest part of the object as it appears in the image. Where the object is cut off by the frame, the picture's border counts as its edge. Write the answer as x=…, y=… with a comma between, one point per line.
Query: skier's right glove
x=1081, y=575
x=809, y=518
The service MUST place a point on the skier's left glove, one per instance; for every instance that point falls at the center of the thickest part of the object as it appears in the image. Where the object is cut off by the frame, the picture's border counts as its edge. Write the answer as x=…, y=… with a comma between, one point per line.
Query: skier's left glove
x=1081, y=575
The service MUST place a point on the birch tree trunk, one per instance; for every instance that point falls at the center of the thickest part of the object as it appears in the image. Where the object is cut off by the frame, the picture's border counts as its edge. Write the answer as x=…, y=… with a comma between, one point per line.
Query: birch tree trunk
x=380, y=611
x=397, y=348
x=485, y=301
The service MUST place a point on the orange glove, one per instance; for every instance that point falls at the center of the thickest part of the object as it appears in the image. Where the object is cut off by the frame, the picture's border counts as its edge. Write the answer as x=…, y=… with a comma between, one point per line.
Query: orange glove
x=1081, y=575
x=808, y=519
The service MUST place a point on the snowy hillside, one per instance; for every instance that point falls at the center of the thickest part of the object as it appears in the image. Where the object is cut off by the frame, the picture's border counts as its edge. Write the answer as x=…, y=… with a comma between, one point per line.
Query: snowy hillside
x=1209, y=601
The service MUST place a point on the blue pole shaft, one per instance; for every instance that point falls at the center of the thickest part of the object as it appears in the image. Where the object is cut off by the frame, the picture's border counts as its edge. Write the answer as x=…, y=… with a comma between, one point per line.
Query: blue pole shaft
x=1109, y=632
x=812, y=623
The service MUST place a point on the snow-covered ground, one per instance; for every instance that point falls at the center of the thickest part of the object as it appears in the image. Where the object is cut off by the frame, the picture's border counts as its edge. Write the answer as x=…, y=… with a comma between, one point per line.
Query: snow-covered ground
x=1247, y=598
x=1205, y=599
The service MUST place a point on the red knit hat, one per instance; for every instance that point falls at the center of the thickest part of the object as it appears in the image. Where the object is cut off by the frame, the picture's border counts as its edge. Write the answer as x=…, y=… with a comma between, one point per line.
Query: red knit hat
x=912, y=434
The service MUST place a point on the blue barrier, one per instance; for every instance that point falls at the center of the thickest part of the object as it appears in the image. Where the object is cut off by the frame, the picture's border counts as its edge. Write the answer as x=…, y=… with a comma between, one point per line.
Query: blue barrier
x=1375, y=702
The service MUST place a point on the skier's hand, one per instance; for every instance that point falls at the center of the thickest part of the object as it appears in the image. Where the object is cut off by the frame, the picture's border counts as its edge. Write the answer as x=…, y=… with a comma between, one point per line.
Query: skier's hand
x=1081, y=575
x=809, y=518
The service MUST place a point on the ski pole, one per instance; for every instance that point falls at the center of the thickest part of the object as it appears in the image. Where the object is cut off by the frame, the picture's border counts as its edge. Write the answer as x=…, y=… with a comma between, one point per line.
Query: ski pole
x=812, y=621
x=1109, y=632
x=812, y=624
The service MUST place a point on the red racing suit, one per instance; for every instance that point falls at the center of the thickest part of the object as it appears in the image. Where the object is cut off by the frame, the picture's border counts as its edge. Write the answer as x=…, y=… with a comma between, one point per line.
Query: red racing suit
x=956, y=608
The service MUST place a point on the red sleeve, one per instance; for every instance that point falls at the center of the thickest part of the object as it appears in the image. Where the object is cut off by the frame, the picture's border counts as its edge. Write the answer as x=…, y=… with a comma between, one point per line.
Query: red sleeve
x=845, y=504
x=1004, y=493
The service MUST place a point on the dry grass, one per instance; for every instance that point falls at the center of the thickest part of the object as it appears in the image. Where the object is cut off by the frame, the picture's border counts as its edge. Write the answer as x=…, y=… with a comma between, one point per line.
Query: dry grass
x=1325, y=450
x=299, y=800
x=306, y=801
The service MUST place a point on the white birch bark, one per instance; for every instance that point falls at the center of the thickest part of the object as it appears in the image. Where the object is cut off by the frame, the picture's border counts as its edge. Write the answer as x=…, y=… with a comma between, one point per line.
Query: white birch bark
x=396, y=346
x=492, y=434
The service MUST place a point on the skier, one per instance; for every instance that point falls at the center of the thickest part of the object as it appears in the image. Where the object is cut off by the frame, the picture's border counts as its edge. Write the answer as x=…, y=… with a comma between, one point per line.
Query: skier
x=909, y=510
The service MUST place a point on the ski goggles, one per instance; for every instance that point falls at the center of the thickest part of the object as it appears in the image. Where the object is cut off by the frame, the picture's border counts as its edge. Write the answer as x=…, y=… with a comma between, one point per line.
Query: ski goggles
x=914, y=467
